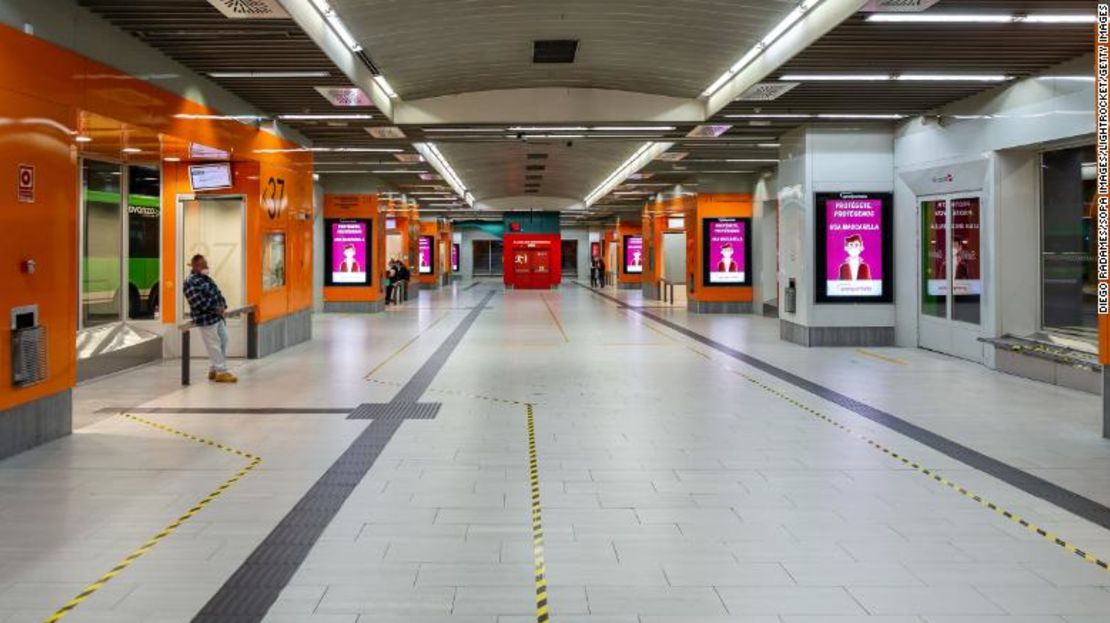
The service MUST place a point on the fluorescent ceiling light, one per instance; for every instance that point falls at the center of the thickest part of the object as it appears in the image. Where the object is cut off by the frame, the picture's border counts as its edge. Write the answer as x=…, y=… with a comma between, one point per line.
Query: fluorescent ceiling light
x=953, y=77
x=645, y=154
x=771, y=116
x=773, y=35
x=769, y=145
x=858, y=116
x=401, y=171
x=1068, y=78
x=342, y=150
x=435, y=129
x=434, y=157
x=546, y=129
x=980, y=18
x=385, y=86
x=337, y=25
x=629, y=128
x=527, y=136
x=752, y=160
x=1055, y=19
x=911, y=77
x=268, y=74
x=325, y=117
x=842, y=77
x=242, y=118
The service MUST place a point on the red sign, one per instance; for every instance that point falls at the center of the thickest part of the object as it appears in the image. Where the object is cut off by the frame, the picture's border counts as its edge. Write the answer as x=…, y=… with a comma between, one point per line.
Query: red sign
x=25, y=191
x=514, y=226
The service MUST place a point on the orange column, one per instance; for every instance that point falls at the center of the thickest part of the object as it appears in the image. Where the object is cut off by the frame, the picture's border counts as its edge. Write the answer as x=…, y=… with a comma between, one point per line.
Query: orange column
x=362, y=298
x=702, y=296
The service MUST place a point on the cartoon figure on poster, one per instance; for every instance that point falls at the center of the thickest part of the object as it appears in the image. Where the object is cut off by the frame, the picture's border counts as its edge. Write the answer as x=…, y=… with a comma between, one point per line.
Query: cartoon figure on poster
x=726, y=251
x=348, y=240
x=633, y=254
x=425, y=256
x=854, y=247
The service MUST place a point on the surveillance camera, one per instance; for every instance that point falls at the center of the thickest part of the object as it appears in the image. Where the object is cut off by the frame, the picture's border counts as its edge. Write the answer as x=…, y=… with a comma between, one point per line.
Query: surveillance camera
x=570, y=143
x=520, y=136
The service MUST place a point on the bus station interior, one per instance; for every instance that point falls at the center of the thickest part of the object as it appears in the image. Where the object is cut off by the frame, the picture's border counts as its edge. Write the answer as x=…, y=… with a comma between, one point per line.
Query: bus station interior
x=761, y=311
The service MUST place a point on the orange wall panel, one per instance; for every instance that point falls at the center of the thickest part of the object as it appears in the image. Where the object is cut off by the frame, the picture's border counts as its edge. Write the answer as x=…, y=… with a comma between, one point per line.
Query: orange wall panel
x=710, y=206
x=50, y=95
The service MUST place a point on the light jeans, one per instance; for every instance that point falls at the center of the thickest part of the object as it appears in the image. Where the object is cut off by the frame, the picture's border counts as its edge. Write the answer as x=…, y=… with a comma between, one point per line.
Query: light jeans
x=215, y=340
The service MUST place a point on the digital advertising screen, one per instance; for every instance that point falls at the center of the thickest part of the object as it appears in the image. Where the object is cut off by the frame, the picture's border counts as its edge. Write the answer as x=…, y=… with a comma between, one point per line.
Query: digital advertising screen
x=348, y=252
x=454, y=257
x=595, y=250
x=426, y=255
x=633, y=254
x=727, y=252
x=854, y=249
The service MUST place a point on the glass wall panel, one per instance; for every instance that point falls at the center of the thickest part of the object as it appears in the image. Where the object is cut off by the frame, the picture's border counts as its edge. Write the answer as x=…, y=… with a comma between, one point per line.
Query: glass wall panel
x=101, y=243
x=1068, y=286
x=144, y=220
x=934, y=245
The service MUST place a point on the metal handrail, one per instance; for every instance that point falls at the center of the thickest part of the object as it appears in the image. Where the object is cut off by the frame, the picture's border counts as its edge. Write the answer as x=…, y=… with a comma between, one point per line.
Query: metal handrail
x=184, y=328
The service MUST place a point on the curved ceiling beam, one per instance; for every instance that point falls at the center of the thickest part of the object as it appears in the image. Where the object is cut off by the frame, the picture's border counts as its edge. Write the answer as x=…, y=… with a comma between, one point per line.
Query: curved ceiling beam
x=548, y=105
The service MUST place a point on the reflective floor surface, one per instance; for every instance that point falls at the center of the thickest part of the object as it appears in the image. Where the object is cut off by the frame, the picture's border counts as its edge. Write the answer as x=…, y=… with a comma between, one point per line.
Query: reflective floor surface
x=677, y=481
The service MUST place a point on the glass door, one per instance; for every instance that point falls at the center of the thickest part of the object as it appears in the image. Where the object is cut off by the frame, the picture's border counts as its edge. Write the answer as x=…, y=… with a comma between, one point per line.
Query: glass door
x=216, y=229
x=951, y=275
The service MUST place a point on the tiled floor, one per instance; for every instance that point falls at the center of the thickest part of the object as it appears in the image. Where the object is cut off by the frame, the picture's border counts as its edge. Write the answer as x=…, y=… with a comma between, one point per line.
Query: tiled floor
x=678, y=485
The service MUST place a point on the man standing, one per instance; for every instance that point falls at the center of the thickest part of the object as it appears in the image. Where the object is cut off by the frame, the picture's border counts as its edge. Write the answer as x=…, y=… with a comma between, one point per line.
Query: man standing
x=208, y=306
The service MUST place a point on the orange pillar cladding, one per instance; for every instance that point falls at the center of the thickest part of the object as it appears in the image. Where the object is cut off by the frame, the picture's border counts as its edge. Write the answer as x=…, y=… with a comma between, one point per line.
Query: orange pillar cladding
x=660, y=218
x=354, y=254
x=718, y=254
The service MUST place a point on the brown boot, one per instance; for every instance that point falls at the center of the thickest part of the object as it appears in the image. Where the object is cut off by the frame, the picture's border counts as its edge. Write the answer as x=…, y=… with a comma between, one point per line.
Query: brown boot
x=225, y=377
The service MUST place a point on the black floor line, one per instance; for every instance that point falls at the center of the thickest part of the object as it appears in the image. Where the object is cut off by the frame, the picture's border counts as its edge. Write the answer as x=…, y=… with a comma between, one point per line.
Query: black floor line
x=1070, y=501
x=228, y=410
x=253, y=588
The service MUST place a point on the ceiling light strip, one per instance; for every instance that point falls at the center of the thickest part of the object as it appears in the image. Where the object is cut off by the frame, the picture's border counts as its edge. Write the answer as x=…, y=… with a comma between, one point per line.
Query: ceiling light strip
x=645, y=154
x=434, y=157
x=981, y=18
x=792, y=18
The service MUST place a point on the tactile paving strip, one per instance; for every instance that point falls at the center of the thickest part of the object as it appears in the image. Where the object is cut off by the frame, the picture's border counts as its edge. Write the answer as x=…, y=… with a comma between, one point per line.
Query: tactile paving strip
x=253, y=588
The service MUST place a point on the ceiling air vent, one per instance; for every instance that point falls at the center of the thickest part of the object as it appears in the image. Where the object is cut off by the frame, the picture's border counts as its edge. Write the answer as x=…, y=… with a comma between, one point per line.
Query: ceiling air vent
x=535, y=167
x=537, y=156
x=767, y=91
x=250, y=9
x=554, y=50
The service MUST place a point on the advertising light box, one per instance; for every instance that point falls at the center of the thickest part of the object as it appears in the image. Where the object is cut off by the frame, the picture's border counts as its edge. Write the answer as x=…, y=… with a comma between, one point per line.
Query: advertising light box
x=633, y=254
x=348, y=252
x=455, y=257
x=426, y=255
x=727, y=254
x=854, y=248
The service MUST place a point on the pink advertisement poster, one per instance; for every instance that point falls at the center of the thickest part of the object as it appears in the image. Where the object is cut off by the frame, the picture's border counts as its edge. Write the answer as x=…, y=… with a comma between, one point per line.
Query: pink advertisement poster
x=726, y=239
x=425, y=258
x=854, y=247
x=633, y=254
x=348, y=252
x=455, y=257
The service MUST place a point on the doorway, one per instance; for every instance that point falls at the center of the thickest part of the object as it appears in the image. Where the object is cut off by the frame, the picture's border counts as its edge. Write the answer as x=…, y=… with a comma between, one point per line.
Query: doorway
x=674, y=257
x=569, y=259
x=215, y=227
x=951, y=275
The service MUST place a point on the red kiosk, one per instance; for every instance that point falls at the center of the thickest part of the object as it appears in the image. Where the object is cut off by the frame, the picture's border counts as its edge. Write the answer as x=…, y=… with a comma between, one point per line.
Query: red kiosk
x=533, y=252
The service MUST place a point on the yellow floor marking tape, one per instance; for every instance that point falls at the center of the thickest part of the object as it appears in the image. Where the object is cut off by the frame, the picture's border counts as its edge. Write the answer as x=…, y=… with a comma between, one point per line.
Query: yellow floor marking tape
x=252, y=462
x=405, y=345
x=542, y=614
x=555, y=318
x=897, y=362
x=916, y=466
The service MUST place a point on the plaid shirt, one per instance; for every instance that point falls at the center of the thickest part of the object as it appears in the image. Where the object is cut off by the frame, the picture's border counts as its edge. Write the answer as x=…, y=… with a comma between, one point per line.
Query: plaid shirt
x=204, y=299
